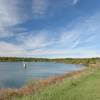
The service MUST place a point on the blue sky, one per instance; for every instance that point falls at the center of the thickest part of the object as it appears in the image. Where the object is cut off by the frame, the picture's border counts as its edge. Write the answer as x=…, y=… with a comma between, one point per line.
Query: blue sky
x=50, y=28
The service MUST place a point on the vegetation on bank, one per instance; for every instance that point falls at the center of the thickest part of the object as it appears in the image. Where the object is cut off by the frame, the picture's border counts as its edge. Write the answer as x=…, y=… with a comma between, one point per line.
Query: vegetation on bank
x=62, y=60
x=84, y=61
x=18, y=59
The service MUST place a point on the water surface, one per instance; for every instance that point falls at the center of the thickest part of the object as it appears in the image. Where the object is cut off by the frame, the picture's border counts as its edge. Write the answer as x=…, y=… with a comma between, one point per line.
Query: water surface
x=13, y=74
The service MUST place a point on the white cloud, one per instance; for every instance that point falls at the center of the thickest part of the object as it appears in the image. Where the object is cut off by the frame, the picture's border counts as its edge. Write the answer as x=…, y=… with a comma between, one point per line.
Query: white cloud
x=35, y=41
x=5, y=46
x=4, y=32
x=70, y=2
x=9, y=49
x=64, y=53
x=13, y=50
x=82, y=33
x=69, y=39
x=75, y=2
x=26, y=44
x=48, y=52
x=40, y=7
x=12, y=12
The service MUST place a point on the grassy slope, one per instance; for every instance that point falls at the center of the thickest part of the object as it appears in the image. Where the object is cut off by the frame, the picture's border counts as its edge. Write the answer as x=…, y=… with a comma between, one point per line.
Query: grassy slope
x=84, y=88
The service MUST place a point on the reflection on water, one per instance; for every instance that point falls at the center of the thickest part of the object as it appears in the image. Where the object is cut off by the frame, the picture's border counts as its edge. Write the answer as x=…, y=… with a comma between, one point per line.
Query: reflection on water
x=13, y=74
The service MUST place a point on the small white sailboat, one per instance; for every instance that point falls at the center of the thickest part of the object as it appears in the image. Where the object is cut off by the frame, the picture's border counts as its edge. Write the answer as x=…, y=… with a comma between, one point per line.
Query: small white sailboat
x=25, y=65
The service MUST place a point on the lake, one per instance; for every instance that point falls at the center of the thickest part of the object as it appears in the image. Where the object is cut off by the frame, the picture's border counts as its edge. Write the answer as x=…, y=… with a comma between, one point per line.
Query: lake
x=14, y=75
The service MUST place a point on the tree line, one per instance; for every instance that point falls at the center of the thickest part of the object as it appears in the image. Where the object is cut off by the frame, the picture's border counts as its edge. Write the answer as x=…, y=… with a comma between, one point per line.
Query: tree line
x=62, y=60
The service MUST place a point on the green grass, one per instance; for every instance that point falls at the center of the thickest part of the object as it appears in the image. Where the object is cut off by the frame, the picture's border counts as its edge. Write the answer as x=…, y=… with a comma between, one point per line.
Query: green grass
x=86, y=87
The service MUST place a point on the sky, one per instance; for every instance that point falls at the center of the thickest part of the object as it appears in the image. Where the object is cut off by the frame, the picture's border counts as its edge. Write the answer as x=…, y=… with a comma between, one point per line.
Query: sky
x=50, y=28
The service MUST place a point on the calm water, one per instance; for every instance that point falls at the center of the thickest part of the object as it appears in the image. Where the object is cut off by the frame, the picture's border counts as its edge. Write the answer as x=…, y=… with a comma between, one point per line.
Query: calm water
x=13, y=74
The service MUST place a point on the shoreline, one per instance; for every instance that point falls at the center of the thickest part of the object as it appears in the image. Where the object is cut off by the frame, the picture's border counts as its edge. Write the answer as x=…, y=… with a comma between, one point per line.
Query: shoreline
x=36, y=86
